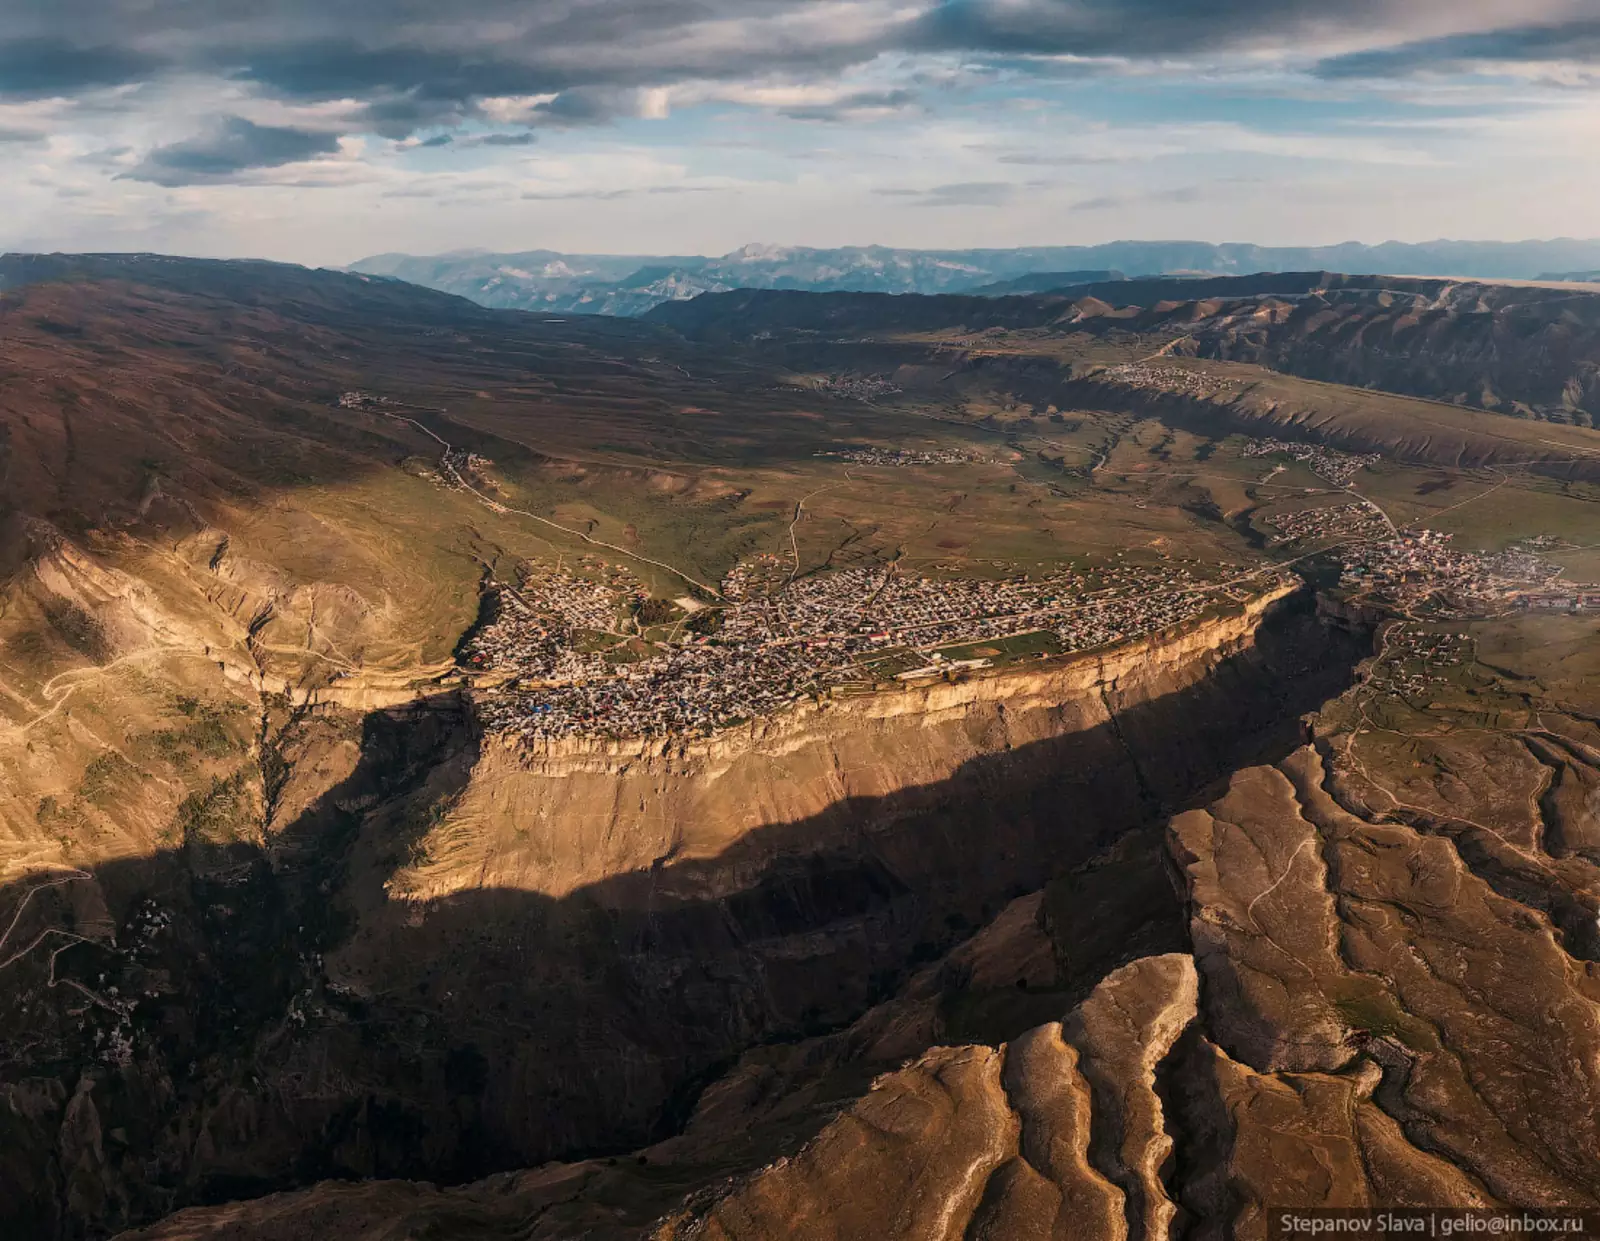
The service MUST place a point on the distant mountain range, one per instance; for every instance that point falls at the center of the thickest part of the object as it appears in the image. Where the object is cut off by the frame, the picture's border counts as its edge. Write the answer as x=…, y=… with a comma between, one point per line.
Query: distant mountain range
x=612, y=284
x=1046, y=282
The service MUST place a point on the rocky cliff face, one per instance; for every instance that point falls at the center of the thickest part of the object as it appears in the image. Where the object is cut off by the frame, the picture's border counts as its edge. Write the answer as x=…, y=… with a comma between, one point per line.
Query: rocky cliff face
x=561, y=815
x=465, y=957
x=1058, y=1133
x=1533, y=352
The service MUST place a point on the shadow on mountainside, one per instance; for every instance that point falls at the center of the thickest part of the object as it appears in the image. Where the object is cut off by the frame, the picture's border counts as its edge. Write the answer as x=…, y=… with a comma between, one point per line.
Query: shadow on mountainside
x=268, y=1018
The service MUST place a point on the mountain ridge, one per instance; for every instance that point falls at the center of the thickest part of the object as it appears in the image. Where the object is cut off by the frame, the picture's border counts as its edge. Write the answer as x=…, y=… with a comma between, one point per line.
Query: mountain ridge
x=1521, y=350
x=632, y=284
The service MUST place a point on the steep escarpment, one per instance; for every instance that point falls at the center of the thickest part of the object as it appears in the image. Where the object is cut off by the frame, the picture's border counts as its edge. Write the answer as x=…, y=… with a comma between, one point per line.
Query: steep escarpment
x=435, y=1018
x=1534, y=352
x=671, y=953
x=555, y=815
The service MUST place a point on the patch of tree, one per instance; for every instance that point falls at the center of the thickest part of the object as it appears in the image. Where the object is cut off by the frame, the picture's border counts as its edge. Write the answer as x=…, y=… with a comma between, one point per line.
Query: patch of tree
x=654, y=611
x=708, y=620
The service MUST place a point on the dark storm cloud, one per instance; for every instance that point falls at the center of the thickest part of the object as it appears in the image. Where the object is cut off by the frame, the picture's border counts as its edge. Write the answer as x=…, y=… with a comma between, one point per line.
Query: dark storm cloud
x=233, y=147
x=1571, y=41
x=587, y=54
x=413, y=62
x=411, y=65
x=1132, y=28
x=327, y=69
x=42, y=67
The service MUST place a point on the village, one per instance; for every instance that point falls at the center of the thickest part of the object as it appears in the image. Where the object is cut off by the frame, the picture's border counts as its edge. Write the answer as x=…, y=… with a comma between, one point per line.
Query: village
x=901, y=456
x=584, y=649
x=1339, y=468
x=866, y=388
x=1350, y=521
x=1416, y=662
x=564, y=653
x=1419, y=571
x=1178, y=380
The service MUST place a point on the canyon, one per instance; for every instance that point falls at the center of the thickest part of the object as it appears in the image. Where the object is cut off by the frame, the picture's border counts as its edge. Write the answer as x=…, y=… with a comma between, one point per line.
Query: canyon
x=628, y=920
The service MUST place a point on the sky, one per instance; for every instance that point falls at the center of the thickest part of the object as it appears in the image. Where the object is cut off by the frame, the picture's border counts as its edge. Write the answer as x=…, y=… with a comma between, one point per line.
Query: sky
x=322, y=131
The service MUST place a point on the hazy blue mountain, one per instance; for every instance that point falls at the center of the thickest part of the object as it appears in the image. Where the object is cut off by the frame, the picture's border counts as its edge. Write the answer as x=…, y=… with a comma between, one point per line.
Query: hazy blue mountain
x=1046, y=281
x=612, y=284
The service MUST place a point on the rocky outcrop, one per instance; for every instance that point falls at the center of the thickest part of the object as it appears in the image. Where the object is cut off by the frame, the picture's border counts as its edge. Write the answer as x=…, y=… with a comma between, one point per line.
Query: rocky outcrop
x=1262, y=913
x=1124, y=1030
x=991, y=1143
x=1260, y=1140
x=1367, y=1019
x=1058, y=1134
x=1478, y=1035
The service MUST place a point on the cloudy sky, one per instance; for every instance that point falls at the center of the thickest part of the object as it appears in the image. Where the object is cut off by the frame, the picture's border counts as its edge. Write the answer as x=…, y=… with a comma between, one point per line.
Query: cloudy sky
x=325, y=130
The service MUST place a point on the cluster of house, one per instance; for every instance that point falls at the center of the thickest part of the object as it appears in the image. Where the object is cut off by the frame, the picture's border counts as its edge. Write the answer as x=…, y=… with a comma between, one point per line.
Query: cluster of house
x=1179, y=380
x=901, y=456
x=1421, y=569
x=1339, y=468
x=1340, y=521
x=365, y=400
x=563, y=655
x=1418, y=661
x=1567, y=598
x=858, y=387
